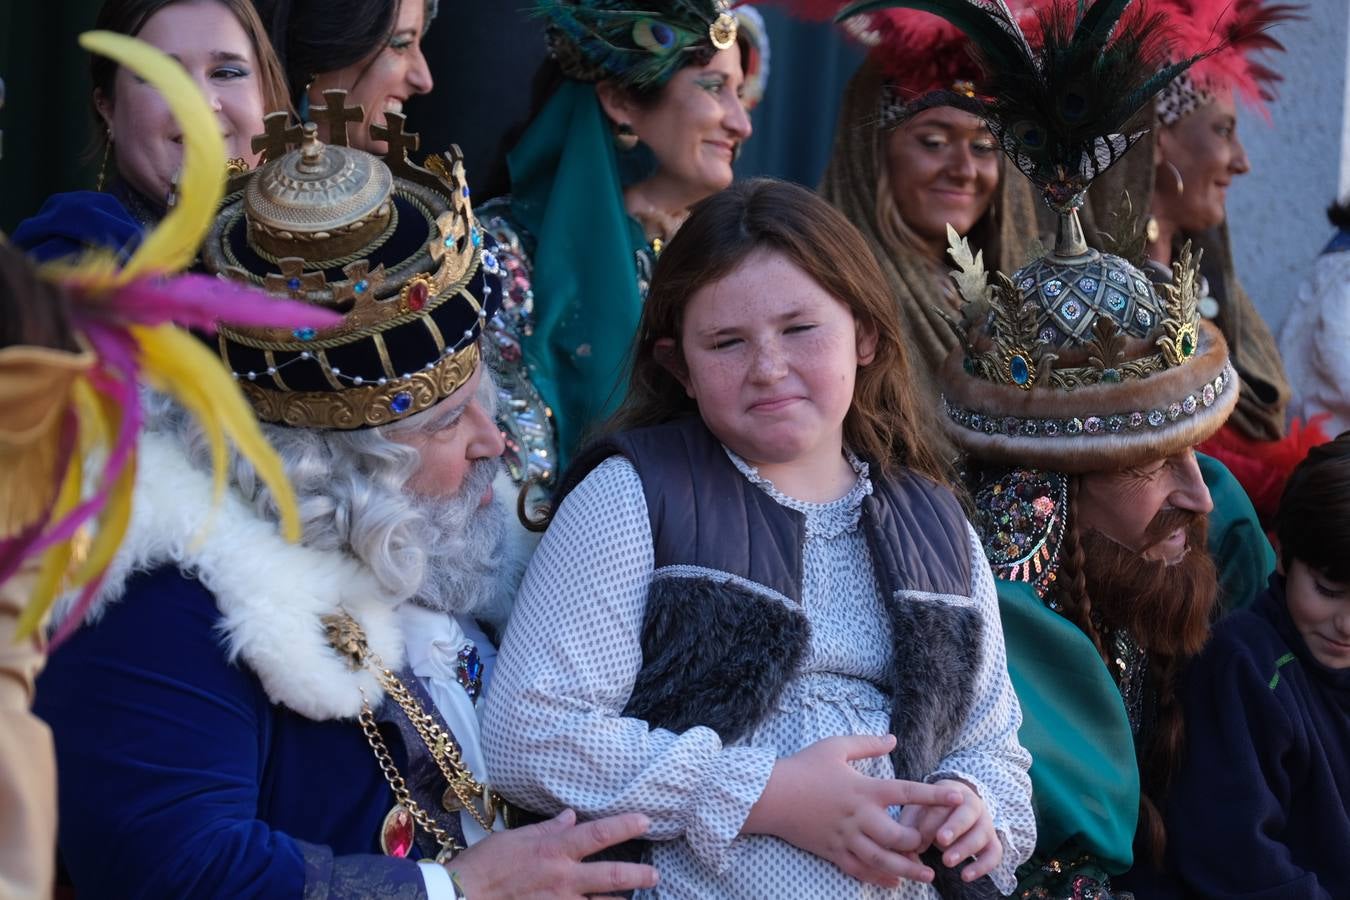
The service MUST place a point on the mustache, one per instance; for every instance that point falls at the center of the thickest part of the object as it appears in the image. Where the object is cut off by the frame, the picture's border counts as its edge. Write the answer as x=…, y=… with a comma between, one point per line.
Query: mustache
x=1166, y=522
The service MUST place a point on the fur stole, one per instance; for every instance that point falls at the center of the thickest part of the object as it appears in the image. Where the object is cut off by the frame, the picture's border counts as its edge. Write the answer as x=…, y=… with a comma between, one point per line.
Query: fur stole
x=272, y=595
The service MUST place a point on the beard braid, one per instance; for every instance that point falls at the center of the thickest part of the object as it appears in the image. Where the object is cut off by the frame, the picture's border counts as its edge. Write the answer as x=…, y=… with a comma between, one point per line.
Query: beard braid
x=463, y=547
x=1167, y=610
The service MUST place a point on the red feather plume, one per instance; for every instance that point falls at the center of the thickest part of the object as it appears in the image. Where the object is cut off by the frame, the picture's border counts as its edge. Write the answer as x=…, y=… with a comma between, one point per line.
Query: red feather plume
x=919, y=51
x=1239, y=29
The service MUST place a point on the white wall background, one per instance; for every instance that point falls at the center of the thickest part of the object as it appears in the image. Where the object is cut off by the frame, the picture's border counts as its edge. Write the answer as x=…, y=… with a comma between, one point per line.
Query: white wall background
x=1300, y=160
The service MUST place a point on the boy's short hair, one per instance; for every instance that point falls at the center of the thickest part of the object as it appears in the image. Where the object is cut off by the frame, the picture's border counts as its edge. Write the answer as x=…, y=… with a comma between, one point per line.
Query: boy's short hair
x=1313, y=524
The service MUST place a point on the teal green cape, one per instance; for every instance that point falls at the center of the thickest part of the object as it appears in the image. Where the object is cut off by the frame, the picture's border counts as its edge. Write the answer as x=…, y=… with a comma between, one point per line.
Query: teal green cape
x=1085, y=780
x=566, y=192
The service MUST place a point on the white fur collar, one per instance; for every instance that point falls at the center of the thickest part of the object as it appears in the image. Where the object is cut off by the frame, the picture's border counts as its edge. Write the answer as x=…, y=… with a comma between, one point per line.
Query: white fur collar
x=272, y=595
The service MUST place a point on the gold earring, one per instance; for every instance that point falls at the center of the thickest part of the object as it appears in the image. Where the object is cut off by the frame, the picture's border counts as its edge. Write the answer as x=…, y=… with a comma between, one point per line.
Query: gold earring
x=625, y=138
x=103, y=166
x=1176, y=174
x=1151, y=230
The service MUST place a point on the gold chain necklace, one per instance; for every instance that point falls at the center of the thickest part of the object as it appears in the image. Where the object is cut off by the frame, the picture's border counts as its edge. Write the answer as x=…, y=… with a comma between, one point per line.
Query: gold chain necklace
x=463, y=791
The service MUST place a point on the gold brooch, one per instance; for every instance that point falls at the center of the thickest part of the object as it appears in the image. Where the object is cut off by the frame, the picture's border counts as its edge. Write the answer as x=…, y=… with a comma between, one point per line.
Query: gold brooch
x=722, y=31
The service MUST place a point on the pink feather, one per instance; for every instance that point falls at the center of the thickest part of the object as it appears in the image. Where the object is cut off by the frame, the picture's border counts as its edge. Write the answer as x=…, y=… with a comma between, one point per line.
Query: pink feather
x=202, y=301
x=1232, y=33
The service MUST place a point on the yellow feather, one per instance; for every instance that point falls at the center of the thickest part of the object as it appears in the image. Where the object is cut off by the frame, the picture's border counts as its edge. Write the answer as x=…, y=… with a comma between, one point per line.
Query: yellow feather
x=178, y=364
x=171, y=246
x=56, y=559
x=112, y=527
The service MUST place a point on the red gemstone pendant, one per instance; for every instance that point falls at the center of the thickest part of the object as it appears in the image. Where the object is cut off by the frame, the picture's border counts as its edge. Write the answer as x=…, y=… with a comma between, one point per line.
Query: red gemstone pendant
x=396, y=834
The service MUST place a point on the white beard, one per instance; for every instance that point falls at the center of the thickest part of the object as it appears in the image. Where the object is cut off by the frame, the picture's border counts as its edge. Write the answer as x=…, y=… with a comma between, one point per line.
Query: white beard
x=465, y=558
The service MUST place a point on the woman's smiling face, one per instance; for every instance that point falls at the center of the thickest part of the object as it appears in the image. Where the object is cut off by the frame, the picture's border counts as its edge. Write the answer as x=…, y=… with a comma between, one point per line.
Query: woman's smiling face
x=943, y=168
x=696, y=124
x=207, y=39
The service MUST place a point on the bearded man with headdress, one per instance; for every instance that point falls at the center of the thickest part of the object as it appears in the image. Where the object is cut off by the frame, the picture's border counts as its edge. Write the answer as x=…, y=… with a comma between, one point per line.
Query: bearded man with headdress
x=1078, y=391
x=238, y=715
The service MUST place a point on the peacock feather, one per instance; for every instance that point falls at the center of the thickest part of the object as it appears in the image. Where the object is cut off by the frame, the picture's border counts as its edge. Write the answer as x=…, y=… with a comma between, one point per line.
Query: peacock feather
x=640, y=43
x=1060, y=112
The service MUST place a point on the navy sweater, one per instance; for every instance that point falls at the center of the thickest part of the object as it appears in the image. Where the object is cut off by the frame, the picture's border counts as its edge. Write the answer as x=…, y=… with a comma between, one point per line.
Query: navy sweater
x=1261, y=805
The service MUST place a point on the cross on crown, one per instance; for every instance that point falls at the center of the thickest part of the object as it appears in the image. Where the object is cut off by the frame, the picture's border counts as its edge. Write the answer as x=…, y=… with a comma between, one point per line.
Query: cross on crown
x=276, y=136
x=400, y=141
x=335, y=114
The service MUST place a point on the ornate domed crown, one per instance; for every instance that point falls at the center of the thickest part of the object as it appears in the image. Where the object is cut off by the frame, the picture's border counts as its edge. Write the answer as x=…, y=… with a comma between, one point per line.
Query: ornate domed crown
x=1077, y=363
x=639, y=44
x=392, y=246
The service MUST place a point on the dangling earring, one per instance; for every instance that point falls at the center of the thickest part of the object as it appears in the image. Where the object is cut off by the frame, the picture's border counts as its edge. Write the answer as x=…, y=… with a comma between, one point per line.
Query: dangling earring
x=625, y=138
x=103, y=166
x=1151, y=230
x=1176, y=174
x=993, y=210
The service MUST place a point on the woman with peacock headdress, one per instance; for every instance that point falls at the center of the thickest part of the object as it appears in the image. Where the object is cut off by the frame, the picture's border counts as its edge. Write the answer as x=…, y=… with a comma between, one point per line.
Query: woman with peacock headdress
x=638, y=114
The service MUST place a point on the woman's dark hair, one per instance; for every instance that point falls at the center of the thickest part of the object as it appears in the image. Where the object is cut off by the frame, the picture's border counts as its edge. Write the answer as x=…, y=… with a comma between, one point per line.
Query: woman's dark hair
x=316, y=36
x=885, y=423
x=130, y=16
x=1338, y=213
x=1313, y=524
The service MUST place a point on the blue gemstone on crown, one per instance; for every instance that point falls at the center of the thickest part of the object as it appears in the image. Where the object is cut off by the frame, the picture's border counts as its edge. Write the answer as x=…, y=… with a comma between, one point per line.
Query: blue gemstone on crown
x=1019, y=370
x=401, y=403
x=293, y=283
x=303, y=334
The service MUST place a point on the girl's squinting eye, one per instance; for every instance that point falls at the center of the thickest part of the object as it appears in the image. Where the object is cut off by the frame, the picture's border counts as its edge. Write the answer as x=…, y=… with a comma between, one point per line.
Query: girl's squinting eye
x=400, y=43
x=712, y=85
x=229, y=73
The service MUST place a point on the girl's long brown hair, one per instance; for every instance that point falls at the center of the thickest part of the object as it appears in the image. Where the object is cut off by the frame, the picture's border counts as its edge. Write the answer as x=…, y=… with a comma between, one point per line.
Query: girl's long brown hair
x=886, y=422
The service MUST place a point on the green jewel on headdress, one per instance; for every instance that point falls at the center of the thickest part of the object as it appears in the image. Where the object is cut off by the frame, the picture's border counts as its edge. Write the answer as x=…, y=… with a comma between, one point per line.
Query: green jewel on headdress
x=640, y=43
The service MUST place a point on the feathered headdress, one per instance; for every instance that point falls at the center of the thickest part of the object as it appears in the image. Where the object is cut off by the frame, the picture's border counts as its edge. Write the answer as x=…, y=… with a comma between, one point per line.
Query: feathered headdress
x=1059, y=112
x=1230, y=36
x=922, y=54
x=124, y=318
x=639, y=44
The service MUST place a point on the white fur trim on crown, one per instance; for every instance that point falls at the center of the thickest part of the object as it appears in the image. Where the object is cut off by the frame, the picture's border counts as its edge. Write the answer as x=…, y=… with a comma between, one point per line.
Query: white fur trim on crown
x=272, y=595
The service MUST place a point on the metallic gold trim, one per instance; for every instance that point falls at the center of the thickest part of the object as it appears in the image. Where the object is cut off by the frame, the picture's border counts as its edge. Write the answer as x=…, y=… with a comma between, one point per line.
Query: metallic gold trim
x=383, y=351
x=274, y=371
x=327, y=367
x=435, y=333
x=722, y=32
x=369, y=405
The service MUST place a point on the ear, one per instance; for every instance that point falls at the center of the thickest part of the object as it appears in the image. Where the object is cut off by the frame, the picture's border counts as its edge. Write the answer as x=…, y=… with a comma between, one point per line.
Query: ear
x=668, y=356
x=104, y=107
x=616, y=103
x=866, y=342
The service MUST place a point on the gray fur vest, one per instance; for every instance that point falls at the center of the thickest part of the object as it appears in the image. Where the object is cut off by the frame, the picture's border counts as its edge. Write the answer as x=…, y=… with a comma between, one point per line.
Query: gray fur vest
x=724, y=630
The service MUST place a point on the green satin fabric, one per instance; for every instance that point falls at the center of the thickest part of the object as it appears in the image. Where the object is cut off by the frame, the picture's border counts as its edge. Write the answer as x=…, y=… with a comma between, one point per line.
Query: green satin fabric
x=565, y=191
x=1085, y=779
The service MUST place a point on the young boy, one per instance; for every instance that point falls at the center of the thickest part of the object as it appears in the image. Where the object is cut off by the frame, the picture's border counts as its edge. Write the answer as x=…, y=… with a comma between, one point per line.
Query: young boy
x=1261, y=805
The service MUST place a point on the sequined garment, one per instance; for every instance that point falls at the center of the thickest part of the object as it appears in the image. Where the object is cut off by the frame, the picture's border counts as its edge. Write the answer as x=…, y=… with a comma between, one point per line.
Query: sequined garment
x=525, y=420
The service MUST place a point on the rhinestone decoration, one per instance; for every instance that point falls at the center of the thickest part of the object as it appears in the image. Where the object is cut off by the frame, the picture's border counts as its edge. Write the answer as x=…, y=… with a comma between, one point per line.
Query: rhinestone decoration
x=1027, y=284
x=1143, y=318
x=1020, y=515
x=1049, y=334
x=1088, y=285
x=417, y=296
x=469, y=671
x=1090, y=426
x=1071, y=309
x=401, y=403
x=304, y=334
x=1115, y=300
x=1019, y=370
x=1117, y=276
x=1053, y=288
